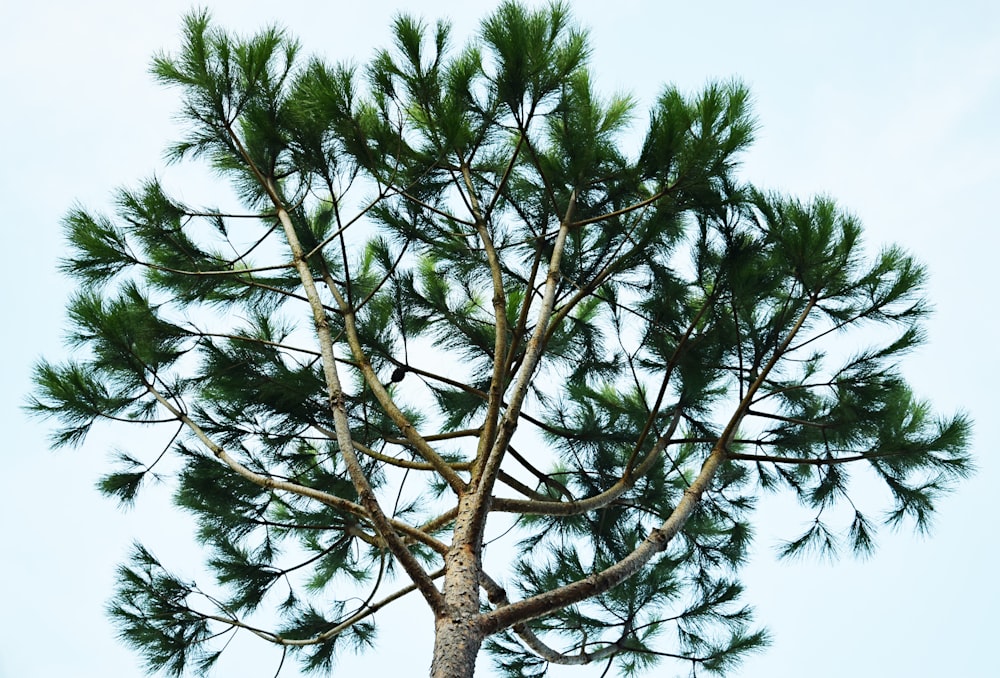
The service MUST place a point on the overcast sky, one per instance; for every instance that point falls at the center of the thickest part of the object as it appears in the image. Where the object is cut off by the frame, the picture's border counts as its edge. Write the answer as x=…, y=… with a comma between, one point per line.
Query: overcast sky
x=890, y=107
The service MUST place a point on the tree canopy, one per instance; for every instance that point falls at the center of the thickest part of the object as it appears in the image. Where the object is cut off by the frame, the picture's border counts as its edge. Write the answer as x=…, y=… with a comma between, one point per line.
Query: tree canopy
x=475, y=336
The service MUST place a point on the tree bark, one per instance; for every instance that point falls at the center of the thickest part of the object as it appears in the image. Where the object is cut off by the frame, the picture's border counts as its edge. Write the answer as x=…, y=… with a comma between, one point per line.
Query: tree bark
x=458, y=634
x=456, y=646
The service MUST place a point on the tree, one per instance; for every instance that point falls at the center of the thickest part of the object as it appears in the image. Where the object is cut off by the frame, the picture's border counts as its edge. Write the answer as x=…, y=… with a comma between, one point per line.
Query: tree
x=458, y=301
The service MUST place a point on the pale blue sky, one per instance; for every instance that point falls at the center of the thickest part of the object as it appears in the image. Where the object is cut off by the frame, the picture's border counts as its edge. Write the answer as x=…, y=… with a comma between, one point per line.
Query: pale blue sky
x=890, y=107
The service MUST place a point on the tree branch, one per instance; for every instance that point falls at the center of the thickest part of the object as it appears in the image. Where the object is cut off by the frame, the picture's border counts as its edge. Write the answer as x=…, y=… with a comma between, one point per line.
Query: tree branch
x=656, y=541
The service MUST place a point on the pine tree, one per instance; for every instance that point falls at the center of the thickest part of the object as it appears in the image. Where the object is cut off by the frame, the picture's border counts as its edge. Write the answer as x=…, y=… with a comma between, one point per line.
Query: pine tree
x=464, y=299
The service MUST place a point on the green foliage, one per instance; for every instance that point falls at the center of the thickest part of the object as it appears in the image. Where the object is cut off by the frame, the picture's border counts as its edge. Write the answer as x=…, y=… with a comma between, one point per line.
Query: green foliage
x=151, y=610
x=457, y=291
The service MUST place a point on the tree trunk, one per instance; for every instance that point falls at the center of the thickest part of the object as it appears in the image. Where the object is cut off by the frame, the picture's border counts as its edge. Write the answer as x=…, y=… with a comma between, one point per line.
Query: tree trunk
x=458, y=634
x=456, y=646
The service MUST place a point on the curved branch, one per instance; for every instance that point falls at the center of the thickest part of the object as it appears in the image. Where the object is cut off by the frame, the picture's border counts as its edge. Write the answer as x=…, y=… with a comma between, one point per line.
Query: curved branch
x=658, y=539
x=277, y=639
x=624, y=210
x=405, y=463
x=532, y=356
x=266, y=482
x=496, y=389
x=498, y=596
x=385, y=400
x=334, y=390
x=598, y=501
x=813, y=461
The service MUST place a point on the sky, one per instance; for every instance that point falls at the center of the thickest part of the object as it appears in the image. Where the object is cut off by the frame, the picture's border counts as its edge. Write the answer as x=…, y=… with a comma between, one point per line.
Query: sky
x=888, y=107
